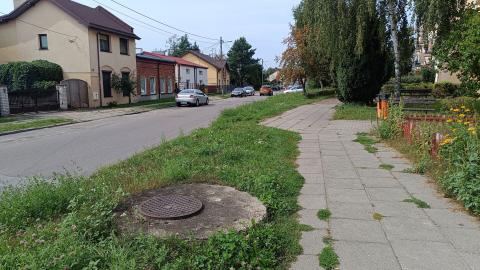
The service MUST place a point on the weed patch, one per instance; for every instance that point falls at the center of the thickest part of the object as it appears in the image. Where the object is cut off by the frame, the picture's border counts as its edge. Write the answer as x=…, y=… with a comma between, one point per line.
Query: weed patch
x=418, y=202
x=377, y=216
x=324, y=214
x=387, y=167
x=354, y=112
x=366, y=140
x=328, y=259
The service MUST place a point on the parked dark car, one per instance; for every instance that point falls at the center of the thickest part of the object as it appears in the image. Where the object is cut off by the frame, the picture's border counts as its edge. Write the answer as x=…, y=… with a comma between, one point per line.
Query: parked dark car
x=238, y=92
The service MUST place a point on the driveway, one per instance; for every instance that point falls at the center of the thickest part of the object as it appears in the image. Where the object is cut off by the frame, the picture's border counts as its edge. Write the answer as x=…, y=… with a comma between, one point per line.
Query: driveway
x=83, y=148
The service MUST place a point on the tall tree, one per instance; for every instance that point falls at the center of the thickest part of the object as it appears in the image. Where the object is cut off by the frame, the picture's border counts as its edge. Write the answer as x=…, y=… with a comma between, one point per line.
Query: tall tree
x=244, y=68
x=291, y=61
x=181, y=45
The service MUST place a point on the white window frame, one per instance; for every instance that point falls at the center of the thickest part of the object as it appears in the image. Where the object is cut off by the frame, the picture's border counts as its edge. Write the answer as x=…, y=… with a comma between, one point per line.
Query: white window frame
x=163, y=88
x=154, y=90
x=143, y=86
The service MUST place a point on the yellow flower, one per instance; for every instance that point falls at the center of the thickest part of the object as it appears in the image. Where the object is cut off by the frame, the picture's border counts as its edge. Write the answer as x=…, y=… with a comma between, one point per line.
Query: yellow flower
x=461, y=115
x=467, y=110
x=459, y=121
x=456, y=110
x=463, y=107
x=449, y=120
x=472, y=129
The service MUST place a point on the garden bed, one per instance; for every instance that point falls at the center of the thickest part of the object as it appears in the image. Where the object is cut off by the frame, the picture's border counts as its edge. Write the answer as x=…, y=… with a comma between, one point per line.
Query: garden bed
x=69, y=223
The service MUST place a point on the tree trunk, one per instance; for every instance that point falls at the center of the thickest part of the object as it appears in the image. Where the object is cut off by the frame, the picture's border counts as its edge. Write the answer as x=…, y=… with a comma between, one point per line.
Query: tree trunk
x=392, y=12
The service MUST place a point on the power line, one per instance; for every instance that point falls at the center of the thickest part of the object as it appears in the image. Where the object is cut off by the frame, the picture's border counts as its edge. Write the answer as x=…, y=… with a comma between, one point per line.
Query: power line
x=44, y=28
x=162, y=23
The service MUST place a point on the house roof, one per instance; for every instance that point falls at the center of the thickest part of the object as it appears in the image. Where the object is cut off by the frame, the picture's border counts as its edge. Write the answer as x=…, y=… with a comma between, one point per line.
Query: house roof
x=219, y=64
x=154, y=58
x=177, y=60
x=98, y=18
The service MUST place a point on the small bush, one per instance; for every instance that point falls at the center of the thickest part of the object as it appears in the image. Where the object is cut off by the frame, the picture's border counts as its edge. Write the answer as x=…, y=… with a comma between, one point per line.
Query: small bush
x=428, y=74
x=393, y=126
x=412, y=79
x=445, y=89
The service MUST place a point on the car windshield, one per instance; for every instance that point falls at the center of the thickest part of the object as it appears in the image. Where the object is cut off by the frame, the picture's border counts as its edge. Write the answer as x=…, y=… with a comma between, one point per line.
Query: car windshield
x=248, y=88
x=238, y=89
x=189, y=91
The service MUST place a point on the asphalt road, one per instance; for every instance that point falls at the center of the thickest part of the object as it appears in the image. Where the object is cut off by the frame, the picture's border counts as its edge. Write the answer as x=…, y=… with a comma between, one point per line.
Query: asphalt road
x=83, y=148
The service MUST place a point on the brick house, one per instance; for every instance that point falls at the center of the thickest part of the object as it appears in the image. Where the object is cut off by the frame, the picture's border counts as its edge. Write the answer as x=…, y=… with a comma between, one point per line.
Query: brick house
x=155, y=77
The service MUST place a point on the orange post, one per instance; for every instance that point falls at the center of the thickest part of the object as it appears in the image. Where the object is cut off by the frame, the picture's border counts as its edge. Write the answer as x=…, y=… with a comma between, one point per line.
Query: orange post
x=384, y=105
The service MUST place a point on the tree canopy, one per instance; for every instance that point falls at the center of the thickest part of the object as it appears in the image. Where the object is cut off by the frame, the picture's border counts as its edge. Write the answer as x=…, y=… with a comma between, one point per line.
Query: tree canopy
x=180, y=45
x=244, y=68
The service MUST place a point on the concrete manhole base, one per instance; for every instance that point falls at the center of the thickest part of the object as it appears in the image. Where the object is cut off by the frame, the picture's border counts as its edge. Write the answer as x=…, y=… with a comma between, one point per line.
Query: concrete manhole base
x=224, y=208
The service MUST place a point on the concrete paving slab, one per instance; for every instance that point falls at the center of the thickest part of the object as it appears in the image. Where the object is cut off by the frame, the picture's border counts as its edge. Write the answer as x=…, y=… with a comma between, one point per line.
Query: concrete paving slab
x=372, y=173
x=380, y=182
x=401, y=228
x=362, y=211
x=398, y=209
x=314, y=202
x=351, y=183
x=366, y=256
x=418, y=255
x=313, y=189
x=347, y=195
x=313, y=178
x=334, y=173
x=387, y=194
x=357, y=230
x=472, y=259
x=306, y=262
x=312, y=242
x=448, y=218
x=309, y=217
x=465, y=240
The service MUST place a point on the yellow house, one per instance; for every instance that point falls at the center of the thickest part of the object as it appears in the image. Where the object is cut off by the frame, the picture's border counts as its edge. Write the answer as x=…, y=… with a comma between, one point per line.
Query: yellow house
x=218, y=71
x=90, y=44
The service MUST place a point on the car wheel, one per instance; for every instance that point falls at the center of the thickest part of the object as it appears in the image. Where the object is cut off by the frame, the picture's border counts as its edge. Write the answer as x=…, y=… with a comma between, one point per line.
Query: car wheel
x=206, y=102
x=197, y=103
x=179, y=104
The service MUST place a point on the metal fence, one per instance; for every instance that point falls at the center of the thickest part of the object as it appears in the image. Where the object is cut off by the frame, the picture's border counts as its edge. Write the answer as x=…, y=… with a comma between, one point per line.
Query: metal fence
x=33, y=100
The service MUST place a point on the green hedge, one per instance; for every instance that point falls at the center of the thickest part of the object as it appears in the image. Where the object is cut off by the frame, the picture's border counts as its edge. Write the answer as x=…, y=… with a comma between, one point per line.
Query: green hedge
x=40, y=74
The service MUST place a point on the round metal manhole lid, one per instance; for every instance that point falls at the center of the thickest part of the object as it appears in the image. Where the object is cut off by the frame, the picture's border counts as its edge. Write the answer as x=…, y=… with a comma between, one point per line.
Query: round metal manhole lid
x=170, y=207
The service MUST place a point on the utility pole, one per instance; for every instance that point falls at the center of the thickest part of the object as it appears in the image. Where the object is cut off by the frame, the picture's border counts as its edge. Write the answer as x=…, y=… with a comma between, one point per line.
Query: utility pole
x=221, y=58
x=262, y=74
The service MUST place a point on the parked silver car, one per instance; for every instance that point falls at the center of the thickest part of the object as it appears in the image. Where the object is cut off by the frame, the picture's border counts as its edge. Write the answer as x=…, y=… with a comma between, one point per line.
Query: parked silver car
x=191, y=97
x=238, y=92
x=250, y=91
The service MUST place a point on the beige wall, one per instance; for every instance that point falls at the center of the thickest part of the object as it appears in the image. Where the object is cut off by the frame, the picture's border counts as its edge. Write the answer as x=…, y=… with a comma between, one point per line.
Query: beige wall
x=76, y=53
x=110, y=61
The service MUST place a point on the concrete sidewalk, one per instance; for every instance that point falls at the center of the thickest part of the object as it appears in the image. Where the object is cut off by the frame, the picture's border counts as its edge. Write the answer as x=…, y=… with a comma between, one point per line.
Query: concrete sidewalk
x=341, y=176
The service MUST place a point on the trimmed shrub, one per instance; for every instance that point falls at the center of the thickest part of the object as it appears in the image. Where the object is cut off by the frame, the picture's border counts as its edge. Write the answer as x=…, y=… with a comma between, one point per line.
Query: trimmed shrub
x=414, y=86
x=412, y=79
x=19, y=76
x=48, y=71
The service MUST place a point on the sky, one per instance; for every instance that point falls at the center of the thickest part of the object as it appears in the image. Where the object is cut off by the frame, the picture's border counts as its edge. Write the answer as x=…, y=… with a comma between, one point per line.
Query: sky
x=264, y=23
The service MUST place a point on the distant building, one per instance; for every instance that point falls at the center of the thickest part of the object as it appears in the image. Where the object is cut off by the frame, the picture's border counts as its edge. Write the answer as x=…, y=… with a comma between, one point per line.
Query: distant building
x=218, y=70
x=90, y=44
x=187, y=74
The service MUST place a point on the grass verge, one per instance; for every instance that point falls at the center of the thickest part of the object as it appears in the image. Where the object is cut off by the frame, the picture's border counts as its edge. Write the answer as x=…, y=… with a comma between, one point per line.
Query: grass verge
x=18, y=125
x=69, y=222
x=354, y=112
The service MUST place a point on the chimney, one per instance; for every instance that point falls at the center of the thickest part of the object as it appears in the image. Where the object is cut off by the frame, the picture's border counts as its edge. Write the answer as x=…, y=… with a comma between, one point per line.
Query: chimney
x=17, y=3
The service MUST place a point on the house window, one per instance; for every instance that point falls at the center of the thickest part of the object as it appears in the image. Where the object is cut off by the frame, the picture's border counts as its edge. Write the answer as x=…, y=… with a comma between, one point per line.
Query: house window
x=126, y=77
x=170, y=85
x=200, y=72
x=143, y=86
x=43, y=41
x=162, y=86
x=107, y=83
x=152, y=85
x=188, y=71
x=124, y=46
x=188, y=84
x=104, y=43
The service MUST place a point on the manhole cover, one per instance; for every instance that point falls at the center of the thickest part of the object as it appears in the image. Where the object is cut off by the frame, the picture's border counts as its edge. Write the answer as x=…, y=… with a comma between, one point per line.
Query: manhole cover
x=170, y=207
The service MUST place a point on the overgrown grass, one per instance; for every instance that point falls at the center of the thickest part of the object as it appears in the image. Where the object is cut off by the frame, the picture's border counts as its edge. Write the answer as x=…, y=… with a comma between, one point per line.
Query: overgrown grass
x=366, y=140
x=148, y=104
x=354, y=112
x=18, y=125
x=324, y=214
x=419, y=203
x=69, y=224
